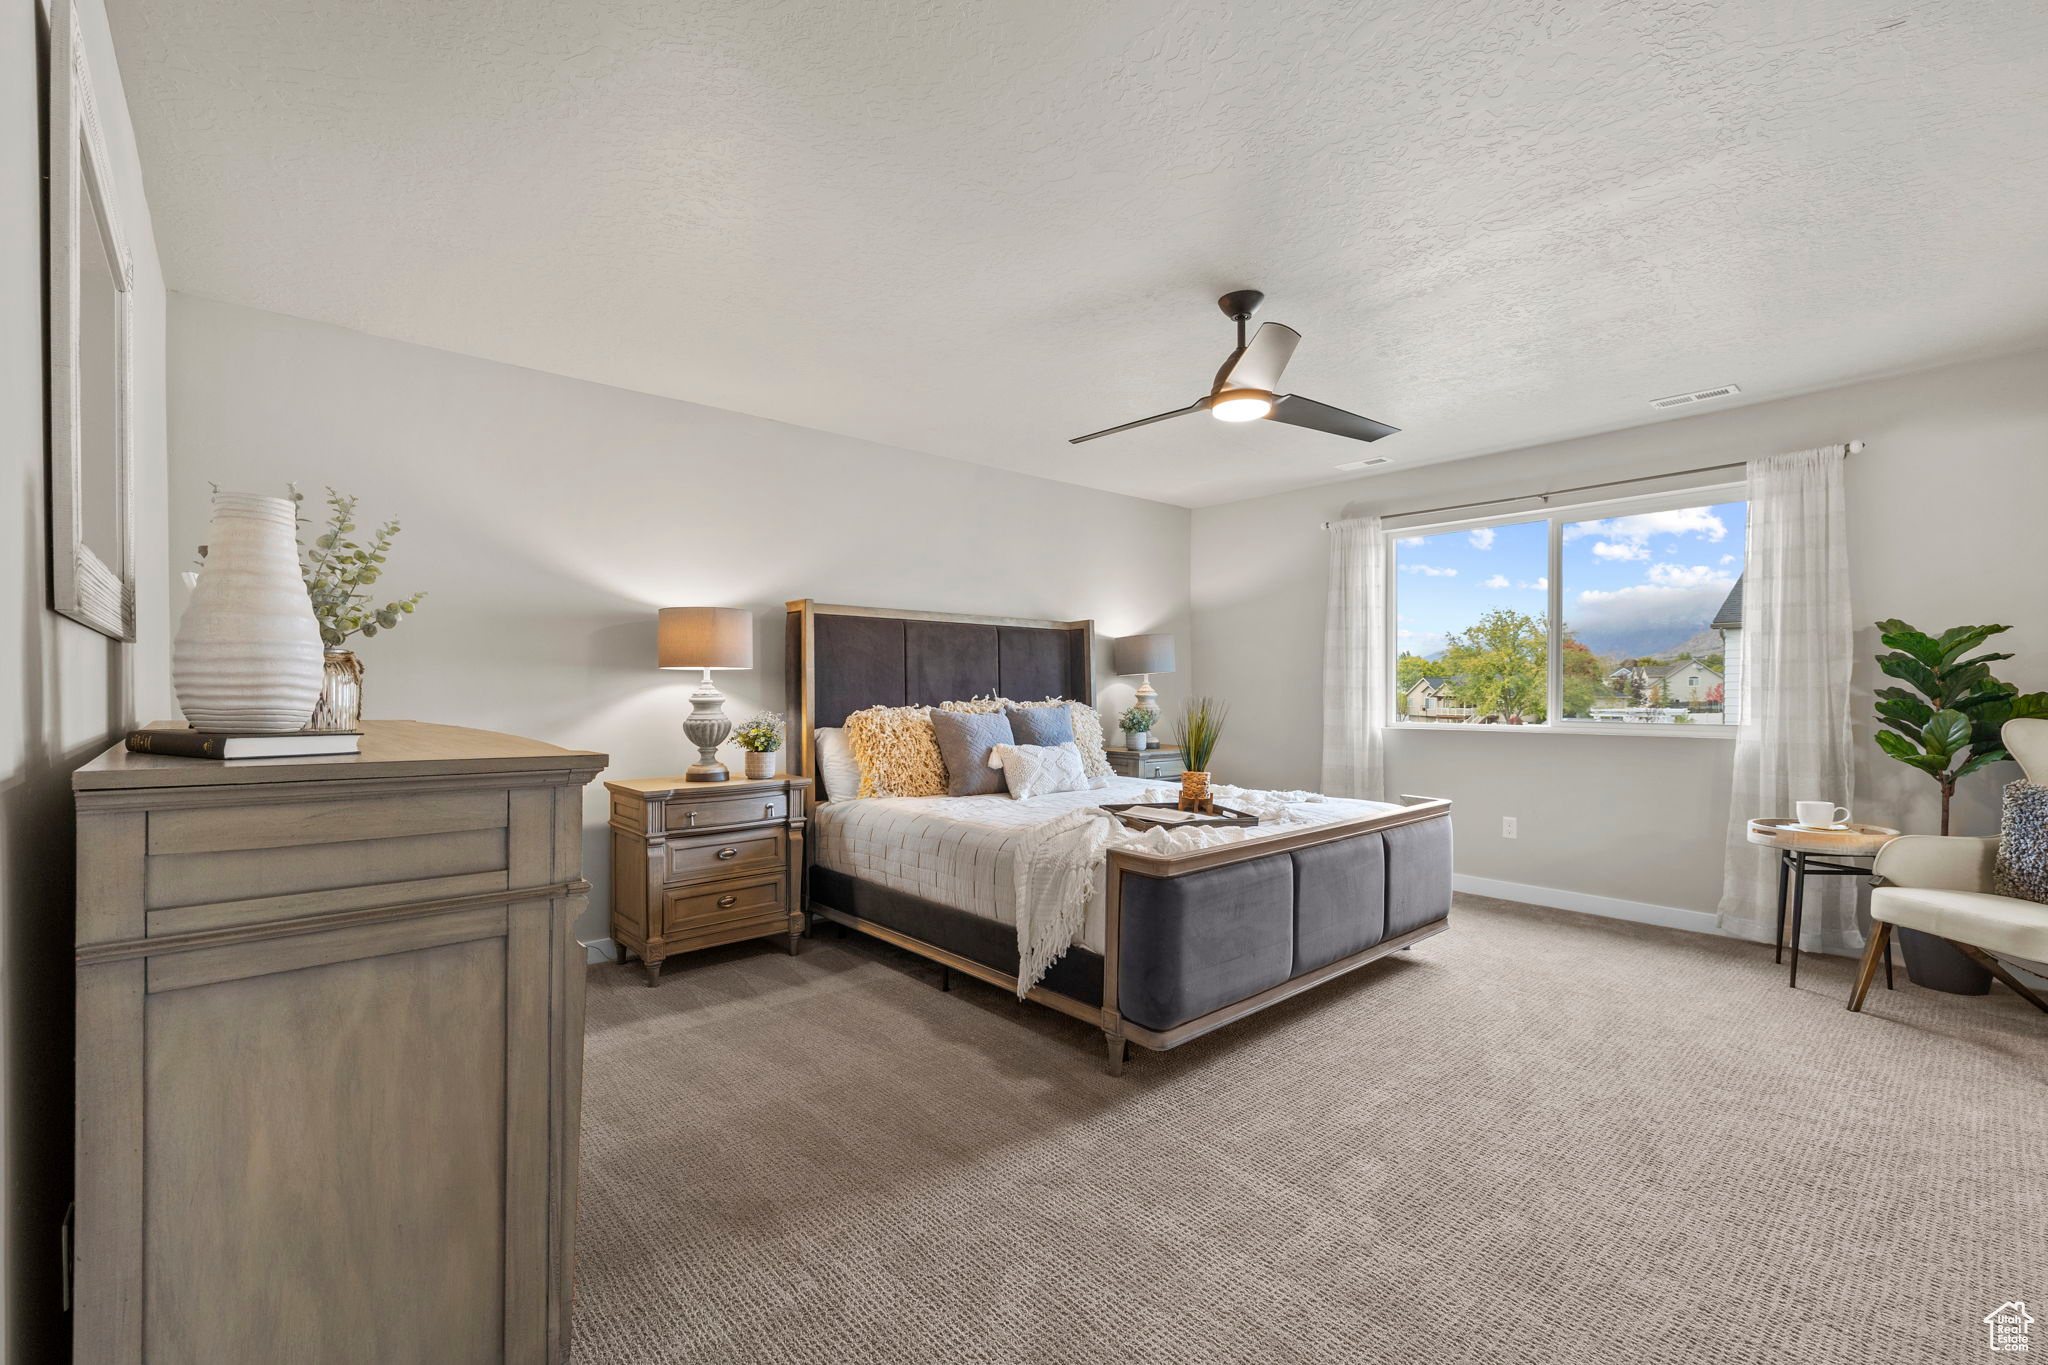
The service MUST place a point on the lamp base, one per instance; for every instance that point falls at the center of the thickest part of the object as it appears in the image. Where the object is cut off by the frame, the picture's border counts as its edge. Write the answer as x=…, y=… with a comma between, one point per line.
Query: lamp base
x=707, y=728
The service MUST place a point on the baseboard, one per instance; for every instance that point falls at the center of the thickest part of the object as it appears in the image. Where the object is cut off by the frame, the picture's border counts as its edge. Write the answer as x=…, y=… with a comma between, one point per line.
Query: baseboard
x=1668, y=916
x=601, y=950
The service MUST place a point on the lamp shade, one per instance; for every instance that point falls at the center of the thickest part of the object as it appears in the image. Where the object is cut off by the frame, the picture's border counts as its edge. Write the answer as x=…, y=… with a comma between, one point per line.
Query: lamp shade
x=1142, y=654
x=705, y=637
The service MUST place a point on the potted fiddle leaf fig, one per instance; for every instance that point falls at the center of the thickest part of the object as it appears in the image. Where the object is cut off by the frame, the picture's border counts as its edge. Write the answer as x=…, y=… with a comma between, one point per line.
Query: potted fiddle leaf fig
x=1946, y=721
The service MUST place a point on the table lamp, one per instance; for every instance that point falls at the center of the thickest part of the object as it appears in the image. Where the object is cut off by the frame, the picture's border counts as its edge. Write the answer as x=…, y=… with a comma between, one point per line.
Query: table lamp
x=1144, y=655
x=705, y=638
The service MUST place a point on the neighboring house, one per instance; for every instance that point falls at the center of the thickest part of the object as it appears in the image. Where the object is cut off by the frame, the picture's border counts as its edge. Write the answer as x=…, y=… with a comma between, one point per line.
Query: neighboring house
x=1682, y=682
x=1433, y=699
x=1728, y=620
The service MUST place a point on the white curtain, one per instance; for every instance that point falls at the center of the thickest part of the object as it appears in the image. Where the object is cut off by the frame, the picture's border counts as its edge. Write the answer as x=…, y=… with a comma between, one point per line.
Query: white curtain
x=1794, y=743
x=1355, y=660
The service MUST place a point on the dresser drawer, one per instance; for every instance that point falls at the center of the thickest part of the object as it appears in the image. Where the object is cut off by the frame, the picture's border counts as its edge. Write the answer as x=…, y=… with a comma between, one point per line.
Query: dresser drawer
x=741, y=855
x=681, y=817
x=698, y=909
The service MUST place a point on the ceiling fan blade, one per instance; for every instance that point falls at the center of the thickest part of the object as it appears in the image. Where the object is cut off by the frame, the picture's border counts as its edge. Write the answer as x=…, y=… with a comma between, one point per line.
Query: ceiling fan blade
x=1297, y=411
x=1196, y=406
x=1259, y=362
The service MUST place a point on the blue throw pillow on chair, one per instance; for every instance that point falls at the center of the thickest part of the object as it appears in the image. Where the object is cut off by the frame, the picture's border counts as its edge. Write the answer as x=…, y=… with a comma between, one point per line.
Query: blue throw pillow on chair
x=1041, y=725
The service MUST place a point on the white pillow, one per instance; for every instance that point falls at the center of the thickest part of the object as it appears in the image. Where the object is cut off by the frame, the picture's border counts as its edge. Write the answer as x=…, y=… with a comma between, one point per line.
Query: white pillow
x=838, y=770
x=1039, y=769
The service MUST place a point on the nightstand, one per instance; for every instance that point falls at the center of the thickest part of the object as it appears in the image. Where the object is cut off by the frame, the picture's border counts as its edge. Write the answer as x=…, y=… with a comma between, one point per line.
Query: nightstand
x=697, y=864
x=1155, y=764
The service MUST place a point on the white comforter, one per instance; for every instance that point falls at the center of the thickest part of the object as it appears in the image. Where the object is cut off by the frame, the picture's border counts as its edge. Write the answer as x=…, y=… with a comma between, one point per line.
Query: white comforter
x=1037, y=864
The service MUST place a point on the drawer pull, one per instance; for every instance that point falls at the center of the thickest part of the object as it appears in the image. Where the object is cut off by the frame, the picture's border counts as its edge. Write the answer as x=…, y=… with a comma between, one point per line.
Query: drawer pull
x=768, y=810
x=693, y=817
x=727, y=902
x=725, y=853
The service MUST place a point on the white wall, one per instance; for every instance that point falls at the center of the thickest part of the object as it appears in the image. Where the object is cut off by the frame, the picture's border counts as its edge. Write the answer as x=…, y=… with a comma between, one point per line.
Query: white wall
x=66, y=692
x=548, y=518
x=1947, y=509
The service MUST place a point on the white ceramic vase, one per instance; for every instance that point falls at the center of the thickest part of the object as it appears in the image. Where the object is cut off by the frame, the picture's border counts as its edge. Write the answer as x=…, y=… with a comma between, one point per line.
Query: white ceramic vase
x=247, y=655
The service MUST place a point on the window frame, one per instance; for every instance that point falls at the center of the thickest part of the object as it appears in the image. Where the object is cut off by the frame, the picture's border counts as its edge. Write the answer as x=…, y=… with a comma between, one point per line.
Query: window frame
x=1557, y=516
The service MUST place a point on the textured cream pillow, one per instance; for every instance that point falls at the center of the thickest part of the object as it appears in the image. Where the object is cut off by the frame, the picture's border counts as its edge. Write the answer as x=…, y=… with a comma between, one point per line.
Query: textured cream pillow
x=1039, y=769
x=897, y=751
x=979, y=706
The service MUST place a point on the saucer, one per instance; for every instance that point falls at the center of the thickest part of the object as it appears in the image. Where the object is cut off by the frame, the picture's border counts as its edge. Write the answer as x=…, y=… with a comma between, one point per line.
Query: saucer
x=1818, y=829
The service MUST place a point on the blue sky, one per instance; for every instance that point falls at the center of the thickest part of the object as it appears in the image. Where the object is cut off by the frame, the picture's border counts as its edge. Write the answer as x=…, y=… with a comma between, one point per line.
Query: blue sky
x=1648, y=574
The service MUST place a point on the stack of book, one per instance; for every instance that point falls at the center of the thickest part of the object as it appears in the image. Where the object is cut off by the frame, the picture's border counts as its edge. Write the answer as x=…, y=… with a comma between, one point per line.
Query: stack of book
x=181, y=741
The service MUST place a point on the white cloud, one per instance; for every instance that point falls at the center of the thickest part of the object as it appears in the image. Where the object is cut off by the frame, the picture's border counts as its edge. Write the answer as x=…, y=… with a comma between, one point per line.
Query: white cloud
x=1676, y=595
x=1697, y=521
x=1421, y=641
x=1411, y=541
x=1727, y=559
x=1609, y=549
x=1499, y=580
x=1430, y=569
x=1540, y=585
x=1482, y=539
x=1697, y=576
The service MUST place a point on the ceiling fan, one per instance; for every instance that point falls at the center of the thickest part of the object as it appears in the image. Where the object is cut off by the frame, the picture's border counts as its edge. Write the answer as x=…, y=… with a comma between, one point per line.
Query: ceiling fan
x=1244, y=388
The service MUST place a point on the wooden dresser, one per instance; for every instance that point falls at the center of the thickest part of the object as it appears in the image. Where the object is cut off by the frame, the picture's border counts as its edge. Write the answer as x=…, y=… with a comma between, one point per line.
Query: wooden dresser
x=330, y=1035
x=697, y=864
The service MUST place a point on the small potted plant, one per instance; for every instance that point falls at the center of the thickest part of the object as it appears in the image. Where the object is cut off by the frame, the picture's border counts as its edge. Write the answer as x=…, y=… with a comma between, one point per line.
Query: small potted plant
x=761, y=737
x=1138, y=723
x=1201, y=725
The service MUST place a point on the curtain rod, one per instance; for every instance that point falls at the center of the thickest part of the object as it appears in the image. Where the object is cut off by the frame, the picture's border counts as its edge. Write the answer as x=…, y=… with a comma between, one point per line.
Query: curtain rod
x=1853, y=447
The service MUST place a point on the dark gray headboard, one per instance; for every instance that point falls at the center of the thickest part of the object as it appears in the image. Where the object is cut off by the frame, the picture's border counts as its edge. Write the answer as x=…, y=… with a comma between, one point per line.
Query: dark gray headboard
x=842, y=659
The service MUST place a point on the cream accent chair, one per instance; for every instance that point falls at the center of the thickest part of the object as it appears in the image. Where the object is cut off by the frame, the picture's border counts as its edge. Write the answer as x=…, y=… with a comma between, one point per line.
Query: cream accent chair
x=1941, y=885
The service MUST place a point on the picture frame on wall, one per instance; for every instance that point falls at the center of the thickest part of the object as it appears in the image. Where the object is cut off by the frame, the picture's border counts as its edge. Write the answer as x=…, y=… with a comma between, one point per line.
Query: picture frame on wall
x=90, y=288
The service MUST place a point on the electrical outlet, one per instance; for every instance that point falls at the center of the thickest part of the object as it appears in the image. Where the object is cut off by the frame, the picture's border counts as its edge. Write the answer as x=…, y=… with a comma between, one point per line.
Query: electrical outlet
x=1507, y=827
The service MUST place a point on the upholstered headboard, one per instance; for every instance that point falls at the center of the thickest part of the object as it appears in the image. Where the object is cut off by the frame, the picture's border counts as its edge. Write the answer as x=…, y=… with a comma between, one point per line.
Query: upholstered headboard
x=842, y=659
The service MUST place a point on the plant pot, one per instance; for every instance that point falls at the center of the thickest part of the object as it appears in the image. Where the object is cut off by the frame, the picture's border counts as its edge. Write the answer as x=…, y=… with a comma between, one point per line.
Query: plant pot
x=760, y=765
x=248, y=657
x=1194, y=791
x=1137, y=739
x=1937, y=965
x=341, y=693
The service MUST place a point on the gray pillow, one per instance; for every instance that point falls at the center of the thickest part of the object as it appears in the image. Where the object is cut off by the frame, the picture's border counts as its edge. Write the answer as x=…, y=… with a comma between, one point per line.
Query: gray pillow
x=965, y=740
x=2022, y=869
x=1042, y=725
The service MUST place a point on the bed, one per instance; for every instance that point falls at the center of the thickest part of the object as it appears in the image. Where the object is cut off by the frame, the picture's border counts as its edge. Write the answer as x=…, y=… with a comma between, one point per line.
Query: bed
x=1177, y=943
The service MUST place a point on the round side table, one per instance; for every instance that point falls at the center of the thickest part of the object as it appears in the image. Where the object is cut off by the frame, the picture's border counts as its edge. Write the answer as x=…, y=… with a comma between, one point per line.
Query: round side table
x=1804, y=853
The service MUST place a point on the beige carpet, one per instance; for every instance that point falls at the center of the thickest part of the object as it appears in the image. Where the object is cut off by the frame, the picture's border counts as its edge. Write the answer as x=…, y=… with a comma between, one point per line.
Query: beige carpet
x=1539, y=1137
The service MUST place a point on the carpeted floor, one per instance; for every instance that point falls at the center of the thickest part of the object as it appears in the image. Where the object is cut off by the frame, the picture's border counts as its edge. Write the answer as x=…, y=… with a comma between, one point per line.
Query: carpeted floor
x=1538, y=1137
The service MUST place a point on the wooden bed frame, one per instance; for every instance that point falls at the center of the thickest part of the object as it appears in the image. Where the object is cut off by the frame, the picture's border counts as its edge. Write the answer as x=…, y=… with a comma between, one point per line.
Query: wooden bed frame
x=1117, y=1031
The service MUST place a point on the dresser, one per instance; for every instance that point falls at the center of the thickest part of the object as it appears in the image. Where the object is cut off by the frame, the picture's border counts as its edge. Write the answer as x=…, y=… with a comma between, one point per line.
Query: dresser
x=697, y=864
x=329, y=1053
x=1152, y=764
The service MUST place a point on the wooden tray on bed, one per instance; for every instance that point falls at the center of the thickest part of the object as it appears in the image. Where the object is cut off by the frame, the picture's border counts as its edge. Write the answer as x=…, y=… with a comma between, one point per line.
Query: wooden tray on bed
x=1224, y=816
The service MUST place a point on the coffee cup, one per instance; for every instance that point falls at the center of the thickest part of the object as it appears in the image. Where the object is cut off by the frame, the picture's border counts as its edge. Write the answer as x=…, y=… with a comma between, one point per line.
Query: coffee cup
x=1820, y=814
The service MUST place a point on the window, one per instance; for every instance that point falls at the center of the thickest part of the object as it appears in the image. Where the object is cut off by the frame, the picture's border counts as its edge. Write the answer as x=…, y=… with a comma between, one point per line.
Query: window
x=1618, y=616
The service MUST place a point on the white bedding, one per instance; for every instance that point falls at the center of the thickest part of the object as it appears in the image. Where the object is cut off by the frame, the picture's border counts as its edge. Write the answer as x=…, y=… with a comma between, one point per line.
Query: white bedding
x=974, y=853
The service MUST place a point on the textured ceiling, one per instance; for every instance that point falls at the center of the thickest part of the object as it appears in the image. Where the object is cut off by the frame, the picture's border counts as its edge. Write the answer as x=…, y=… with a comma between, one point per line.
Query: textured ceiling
x=978, y=229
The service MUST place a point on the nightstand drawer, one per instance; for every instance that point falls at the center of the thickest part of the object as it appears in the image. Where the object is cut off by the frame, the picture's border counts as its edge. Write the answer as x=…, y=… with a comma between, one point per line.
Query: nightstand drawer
x=742, y=855
x=700, y=910
x=683, y=816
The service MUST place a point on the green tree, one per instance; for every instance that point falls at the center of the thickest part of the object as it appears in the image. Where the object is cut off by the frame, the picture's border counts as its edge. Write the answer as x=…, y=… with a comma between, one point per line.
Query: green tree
x=1498, y=666
x=1583, y=680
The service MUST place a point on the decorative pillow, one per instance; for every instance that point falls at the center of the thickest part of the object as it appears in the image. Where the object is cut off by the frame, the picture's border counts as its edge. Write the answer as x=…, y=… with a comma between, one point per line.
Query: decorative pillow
x=1039, y=770
x=2022, y=868
x=977, y=706
x=838, y=771
x=897, y=751
x=1087, y=723
x=1043, y=726
x=965, y=740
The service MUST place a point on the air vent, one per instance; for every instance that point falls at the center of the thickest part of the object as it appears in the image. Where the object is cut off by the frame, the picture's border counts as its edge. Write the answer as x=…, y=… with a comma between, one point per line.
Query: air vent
x=1366, y=464
x=1679, y=400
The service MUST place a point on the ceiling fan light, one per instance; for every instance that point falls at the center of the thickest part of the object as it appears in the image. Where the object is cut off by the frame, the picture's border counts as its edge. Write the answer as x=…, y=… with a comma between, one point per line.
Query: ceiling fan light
x=1241, y=405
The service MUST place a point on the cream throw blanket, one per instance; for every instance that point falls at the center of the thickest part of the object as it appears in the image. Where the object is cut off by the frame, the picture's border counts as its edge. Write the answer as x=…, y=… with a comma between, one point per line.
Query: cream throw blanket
x=1062, y=866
